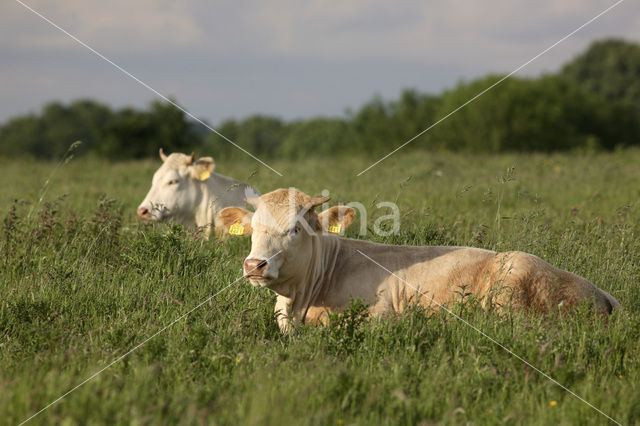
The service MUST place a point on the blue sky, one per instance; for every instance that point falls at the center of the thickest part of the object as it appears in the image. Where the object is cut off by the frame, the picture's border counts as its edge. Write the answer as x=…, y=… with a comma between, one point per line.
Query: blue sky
x=290, y=59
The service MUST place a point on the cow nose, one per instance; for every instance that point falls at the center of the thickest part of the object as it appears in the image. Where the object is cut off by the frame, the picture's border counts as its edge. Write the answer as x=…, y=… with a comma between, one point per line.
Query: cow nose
x=255, y=266
x=143, y=213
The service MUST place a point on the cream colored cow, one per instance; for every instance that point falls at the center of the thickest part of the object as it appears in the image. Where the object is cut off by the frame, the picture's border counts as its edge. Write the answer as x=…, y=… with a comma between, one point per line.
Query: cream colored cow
x=187, y=191
x=314, y=272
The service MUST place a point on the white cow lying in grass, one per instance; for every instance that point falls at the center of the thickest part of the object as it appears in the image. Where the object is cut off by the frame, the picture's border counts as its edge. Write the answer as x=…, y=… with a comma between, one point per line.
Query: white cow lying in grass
x=187, y=191
x=314, y=272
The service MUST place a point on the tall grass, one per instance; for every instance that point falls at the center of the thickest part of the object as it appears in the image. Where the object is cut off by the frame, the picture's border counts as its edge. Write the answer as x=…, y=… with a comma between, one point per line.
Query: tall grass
x=82, y=282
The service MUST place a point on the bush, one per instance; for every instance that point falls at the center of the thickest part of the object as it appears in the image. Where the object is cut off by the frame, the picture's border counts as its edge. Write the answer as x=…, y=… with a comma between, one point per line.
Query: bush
x=609, y=68
x=120, y=134
x=544, y=114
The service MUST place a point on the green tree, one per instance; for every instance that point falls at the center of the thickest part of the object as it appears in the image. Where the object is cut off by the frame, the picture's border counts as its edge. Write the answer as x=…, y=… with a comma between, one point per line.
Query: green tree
x=379, y=126
x=129, y=134
x=317, y=136
x=20, y=136
x=50, y=134
x=544, y=114
x=220, y=148
x=593, y=102
x=371, y=127
x=259, y=135
x=610, y=68
x=125, y=133
x=412, y=113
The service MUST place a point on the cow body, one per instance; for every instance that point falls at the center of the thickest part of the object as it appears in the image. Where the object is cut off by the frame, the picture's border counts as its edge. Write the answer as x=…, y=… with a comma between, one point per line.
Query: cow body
x=316, y=273
x=431, y=276
x=188, y=192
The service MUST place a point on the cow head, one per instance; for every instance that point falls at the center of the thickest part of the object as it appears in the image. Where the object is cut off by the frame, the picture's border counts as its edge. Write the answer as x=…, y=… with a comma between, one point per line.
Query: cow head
x=285, y=232
x=176, y=188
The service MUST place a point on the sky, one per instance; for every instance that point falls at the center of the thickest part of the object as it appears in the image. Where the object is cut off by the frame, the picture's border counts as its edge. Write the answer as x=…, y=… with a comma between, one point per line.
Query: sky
x=290, y=59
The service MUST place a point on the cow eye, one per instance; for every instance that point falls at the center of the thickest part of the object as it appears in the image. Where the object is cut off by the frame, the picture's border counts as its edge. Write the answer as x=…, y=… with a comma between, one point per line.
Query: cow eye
x=295, y=229
x=172, y=182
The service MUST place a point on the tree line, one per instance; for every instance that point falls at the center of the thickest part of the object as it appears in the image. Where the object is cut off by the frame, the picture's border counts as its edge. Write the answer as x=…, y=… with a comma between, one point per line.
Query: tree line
x=592, y=103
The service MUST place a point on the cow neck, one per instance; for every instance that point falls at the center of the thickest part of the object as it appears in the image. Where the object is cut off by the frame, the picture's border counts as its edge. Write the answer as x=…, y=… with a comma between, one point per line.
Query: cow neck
x=324, y=256
x=204, y=215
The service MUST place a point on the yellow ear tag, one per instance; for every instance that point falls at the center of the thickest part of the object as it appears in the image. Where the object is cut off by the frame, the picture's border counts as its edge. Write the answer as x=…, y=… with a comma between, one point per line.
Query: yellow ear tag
x=236, y=229
x=205, y=175
x=335, y=228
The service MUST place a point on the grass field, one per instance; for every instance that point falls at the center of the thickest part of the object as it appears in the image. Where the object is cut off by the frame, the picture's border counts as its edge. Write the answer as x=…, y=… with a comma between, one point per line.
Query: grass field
x=82, y=282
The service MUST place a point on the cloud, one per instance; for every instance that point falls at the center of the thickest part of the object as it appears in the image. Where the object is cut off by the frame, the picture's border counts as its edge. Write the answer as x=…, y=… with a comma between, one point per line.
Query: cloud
x=140, y=25
x=285, y=57
x=402, y=30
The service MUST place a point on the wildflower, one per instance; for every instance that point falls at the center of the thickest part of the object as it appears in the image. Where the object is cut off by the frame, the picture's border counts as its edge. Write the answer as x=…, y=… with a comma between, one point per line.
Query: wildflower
x=238, y=360
x=553, y=404
x=620, y=376
x=339, y=421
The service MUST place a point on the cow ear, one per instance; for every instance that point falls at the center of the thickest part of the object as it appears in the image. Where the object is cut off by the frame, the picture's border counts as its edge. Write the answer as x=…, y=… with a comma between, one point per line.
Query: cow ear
x=202, y=169
x=335, y=219
x=236, y=220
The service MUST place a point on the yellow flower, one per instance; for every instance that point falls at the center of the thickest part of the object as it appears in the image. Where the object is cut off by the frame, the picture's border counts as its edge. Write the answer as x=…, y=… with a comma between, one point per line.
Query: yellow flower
x=339, y=421
x=620, y=376
x=238, y=360
x=553, y=404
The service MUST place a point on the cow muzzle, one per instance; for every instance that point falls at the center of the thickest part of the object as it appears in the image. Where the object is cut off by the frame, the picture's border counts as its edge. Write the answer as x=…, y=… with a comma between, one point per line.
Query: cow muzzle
x=144, y=213
x=255, y=269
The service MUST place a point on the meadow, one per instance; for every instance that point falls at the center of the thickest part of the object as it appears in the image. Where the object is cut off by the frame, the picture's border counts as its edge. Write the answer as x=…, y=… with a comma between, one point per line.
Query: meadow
x=82, y=282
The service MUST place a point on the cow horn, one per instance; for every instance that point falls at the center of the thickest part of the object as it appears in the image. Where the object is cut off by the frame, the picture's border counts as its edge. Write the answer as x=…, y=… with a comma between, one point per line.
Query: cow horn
x=316, y=201
x=191, y=159
x=163, y=157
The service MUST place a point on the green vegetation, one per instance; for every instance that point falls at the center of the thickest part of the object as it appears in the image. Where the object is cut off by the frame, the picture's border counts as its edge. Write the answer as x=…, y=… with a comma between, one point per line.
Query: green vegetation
x=592, y=104
x=82, y=282
x=544, y=114
x=121, y=134
x=609, y=68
